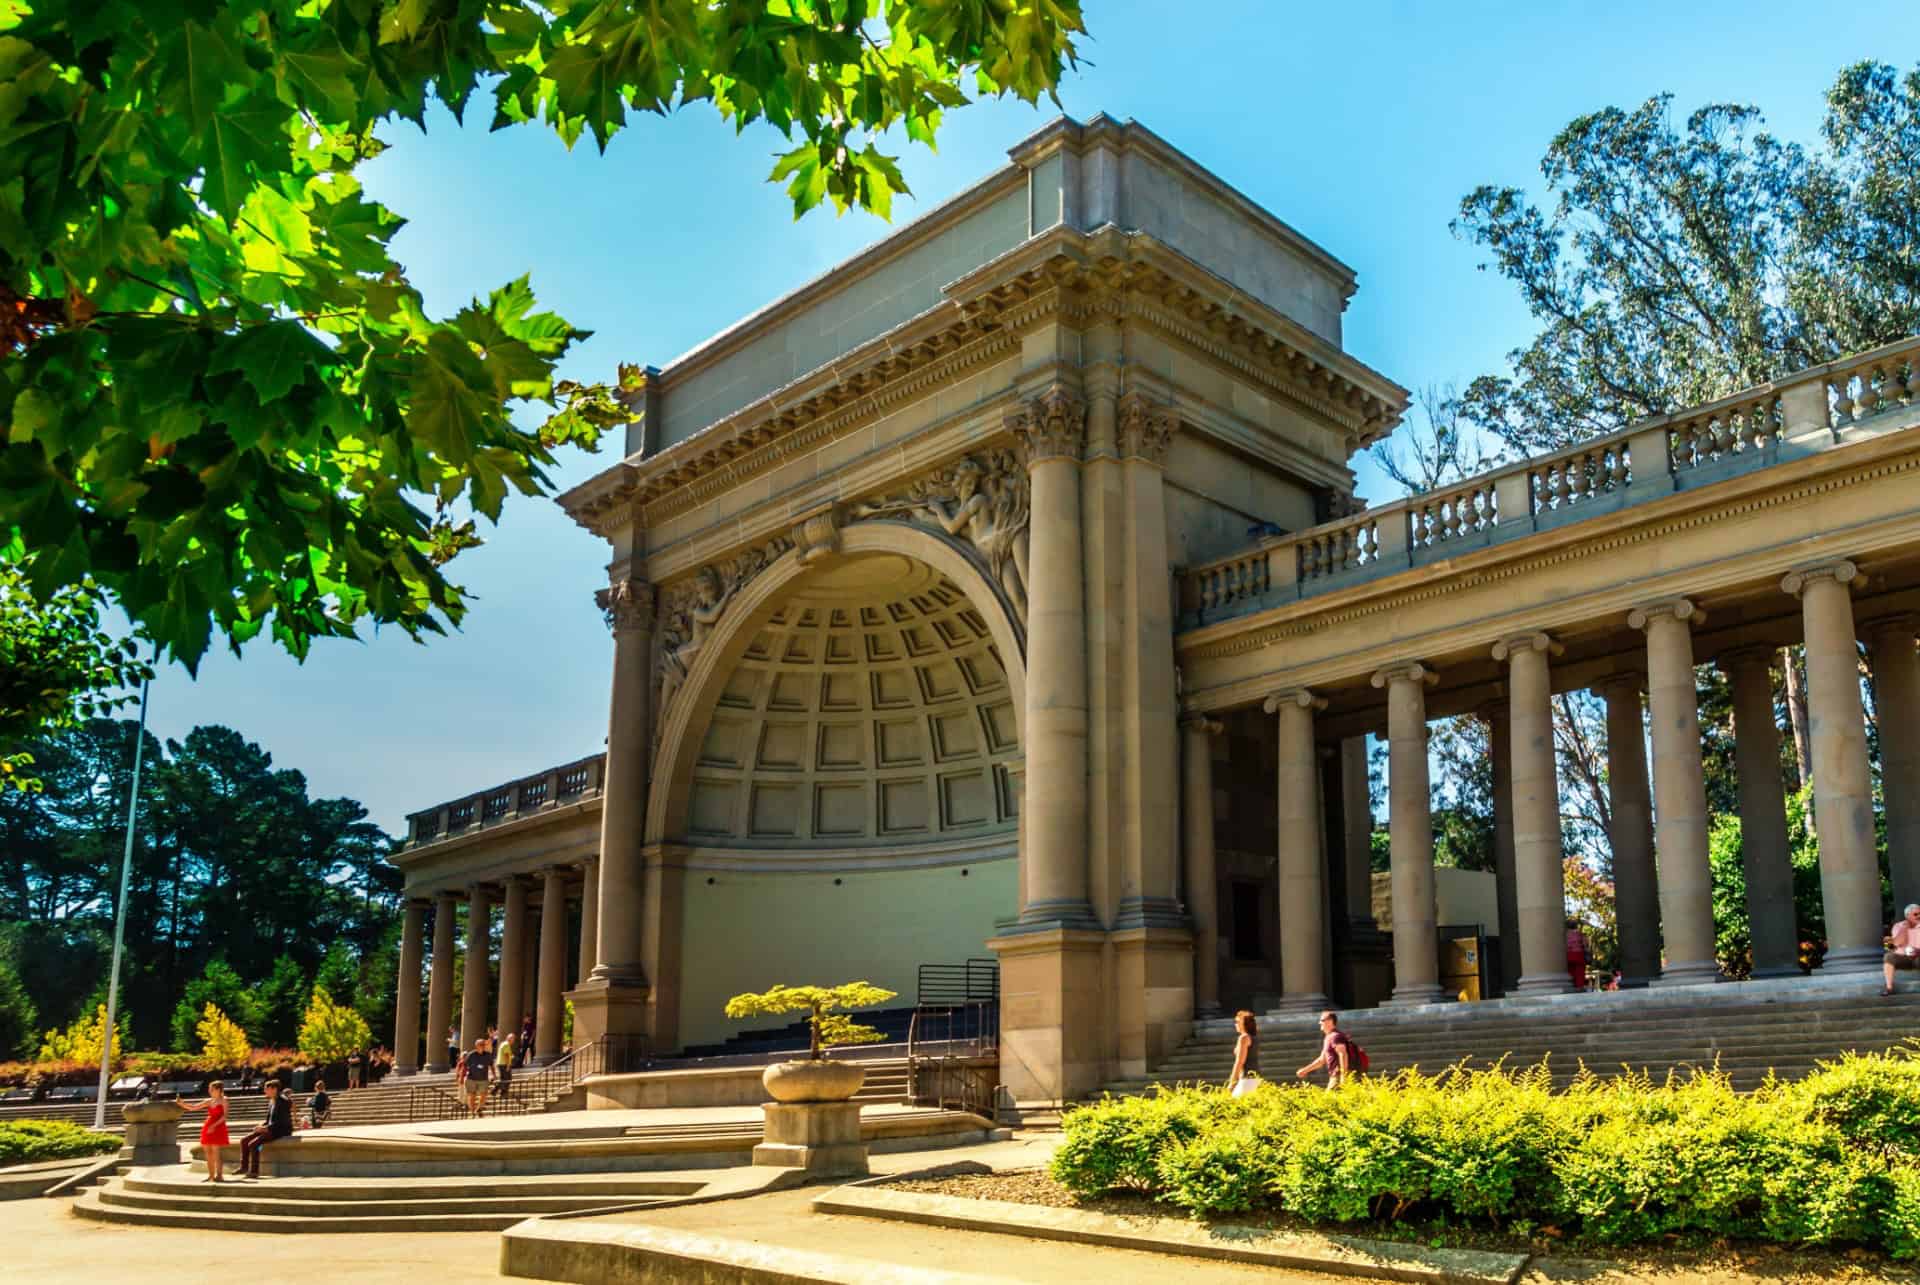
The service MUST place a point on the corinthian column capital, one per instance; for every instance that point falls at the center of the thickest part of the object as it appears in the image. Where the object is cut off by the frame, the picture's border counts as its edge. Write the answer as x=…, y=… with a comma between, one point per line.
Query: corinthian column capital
x=1840, y=571
x=1053, y=426
x=627, y=605
x=1146, y=430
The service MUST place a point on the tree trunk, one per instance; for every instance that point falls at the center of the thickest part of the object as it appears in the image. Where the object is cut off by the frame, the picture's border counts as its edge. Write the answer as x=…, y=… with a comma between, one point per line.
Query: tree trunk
x=1797, y=712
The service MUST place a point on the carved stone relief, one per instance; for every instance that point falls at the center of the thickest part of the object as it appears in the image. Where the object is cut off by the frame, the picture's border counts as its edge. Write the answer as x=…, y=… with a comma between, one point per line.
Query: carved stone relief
x=979, y=498
x=691, y=610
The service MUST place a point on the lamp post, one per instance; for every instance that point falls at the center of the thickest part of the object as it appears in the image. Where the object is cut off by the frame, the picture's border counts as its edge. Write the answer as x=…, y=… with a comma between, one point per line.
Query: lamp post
x=120, y=916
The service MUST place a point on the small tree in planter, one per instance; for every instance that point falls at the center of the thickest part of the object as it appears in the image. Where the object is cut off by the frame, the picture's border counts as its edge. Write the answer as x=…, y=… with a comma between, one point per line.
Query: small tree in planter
x=827, y=1021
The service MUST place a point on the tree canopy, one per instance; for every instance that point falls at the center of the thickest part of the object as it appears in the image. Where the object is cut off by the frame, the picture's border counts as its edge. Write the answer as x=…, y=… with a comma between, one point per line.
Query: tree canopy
x=225, y=404
x=1676, y=262
x=245, y=888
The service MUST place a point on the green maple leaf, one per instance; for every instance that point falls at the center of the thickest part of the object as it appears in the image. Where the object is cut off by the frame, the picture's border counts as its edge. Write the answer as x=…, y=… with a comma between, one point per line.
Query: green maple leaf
x=585, y=86
x=444, y=408
x=272, y=357
x=242, y=144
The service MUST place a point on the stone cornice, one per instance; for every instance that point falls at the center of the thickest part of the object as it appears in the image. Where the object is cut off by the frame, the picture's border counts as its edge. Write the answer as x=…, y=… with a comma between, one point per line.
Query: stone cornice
x=1061, y=274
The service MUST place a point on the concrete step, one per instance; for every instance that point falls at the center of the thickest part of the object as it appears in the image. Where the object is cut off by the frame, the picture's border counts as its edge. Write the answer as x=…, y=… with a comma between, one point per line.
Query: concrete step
x=92, y=1205
x=593, y=1187
x=233, y=1197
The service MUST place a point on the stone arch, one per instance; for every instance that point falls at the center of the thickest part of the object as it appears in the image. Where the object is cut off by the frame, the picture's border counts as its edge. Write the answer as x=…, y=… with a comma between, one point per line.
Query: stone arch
x=760, y=599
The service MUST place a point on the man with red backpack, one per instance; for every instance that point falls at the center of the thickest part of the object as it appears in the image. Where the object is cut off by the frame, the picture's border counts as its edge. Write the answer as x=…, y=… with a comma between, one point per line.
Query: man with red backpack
x=1338, y=1053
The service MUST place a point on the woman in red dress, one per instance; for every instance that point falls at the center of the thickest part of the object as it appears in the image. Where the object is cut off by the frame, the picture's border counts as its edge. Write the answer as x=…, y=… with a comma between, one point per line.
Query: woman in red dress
x=213, y=1133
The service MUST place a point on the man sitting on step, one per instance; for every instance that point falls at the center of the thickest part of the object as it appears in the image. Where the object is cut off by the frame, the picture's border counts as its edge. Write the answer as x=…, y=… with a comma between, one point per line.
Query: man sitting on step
x=278, y=1124
x=1906, y=946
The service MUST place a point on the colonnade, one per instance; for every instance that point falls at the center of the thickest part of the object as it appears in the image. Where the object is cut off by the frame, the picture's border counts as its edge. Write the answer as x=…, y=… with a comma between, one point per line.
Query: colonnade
x=1659, y=814
x=533, y=963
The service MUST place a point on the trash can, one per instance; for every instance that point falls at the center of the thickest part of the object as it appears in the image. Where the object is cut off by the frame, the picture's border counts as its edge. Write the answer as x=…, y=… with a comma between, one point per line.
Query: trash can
x=302, y=1079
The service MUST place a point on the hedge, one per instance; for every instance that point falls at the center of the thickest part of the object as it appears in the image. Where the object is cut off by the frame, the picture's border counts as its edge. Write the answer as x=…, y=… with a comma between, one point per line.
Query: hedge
x=1830, y=1159
x=28, y=1141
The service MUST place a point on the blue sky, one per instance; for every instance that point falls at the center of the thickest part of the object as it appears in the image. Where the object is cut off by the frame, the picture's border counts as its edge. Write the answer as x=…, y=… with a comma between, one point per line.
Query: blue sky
x=1362, y=125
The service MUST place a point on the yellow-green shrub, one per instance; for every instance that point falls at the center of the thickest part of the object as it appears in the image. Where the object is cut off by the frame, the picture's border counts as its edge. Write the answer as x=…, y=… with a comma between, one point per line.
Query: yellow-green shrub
x=1826, y=1160
x=28, y=1141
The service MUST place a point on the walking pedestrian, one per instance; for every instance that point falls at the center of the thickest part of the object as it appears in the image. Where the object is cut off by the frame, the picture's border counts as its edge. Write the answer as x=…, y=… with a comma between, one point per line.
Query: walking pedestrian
x=1338, y=1053
x=1246, y=1055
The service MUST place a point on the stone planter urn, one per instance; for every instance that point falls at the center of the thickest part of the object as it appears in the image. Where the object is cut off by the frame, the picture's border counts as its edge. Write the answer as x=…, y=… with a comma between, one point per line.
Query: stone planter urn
x=811, y=1124
x=813, y=1081
x=152, y=1133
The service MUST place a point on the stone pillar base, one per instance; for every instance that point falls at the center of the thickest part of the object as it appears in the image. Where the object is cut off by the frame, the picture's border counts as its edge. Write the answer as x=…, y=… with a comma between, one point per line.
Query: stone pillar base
x=438, y=1068
x=1853, y=959
x=1782, y=970
x=1699, y=973
x=822, y=1138
x=153, y=1136
x=1544, y=984
x=1314, y=1003
x=1153, y=1011
x=602, y=1008
x=1408, y=996
x=1050, y=1005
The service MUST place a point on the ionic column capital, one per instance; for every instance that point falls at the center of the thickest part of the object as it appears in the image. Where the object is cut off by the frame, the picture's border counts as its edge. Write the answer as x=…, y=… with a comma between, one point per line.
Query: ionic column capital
x=627, y=604
x=1536, y=641
x=1840, y=571
x=1680, y=609
x=1146, y=430
x=1202, y=725
x=1298, y=697
x=1053, y=426
x=1410, y=671
x=587, y=864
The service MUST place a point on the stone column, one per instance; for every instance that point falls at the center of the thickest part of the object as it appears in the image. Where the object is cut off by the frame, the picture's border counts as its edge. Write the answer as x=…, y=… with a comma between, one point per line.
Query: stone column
x=513, y=957
x=473, y=992
x=1356, y=815
x=1303, y=983
x=440, y=983
x=1636, y=884
x=1052, y=1046
x=1506, y=894
x=1539, y=870
x=1679, y=793
x=1203, y=880
x=548, y=1005
x=612, y=999
x=589, y=916
x=1896, y=694
x=1764, y=849
x=1416, y=940
x=1842, y=785
x=1053, y=427
x=406, y=1000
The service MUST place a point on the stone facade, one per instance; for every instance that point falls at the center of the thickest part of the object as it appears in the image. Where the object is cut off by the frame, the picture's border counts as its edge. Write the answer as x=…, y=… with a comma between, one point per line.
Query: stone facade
x=1020, y=555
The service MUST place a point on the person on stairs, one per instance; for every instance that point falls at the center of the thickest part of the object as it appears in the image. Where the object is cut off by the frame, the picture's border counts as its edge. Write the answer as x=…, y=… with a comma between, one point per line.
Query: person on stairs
x=319, y=1106
x=213, y=1130
x=475, y=1075
x=1337, y=1052
x=277, y=1125
x=1903, y=949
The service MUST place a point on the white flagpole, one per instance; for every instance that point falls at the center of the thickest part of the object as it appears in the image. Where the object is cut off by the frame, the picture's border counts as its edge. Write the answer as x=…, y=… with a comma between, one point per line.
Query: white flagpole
x=120, y=917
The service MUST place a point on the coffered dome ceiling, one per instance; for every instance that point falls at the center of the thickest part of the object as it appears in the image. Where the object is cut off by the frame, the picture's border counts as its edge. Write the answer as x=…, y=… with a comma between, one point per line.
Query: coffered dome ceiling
x=871, y=710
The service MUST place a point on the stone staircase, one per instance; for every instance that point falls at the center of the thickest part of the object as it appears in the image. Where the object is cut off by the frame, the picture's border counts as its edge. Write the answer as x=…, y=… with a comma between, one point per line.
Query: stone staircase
x=385, y=1102
x=1747, y=1029
x=174, y=1196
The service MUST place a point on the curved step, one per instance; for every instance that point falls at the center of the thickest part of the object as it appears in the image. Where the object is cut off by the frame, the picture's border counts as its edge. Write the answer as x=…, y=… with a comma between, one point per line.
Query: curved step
x=91, y=1205
x=259, y=1198
x=590, y=1187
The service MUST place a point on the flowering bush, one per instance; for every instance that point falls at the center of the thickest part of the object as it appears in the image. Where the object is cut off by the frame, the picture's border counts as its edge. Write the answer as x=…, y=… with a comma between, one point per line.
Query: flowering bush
x=1824, y=1160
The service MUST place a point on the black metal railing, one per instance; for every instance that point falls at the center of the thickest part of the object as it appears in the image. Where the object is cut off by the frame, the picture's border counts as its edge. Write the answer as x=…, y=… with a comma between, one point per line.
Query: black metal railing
x=955, y=1084
x=977, y=980
x=612, y=1055
x=527, y=1091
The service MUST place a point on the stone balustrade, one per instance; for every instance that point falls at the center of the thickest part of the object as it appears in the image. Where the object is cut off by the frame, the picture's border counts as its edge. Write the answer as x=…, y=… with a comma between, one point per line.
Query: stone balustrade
x=556, y=787
x=1757, y=427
